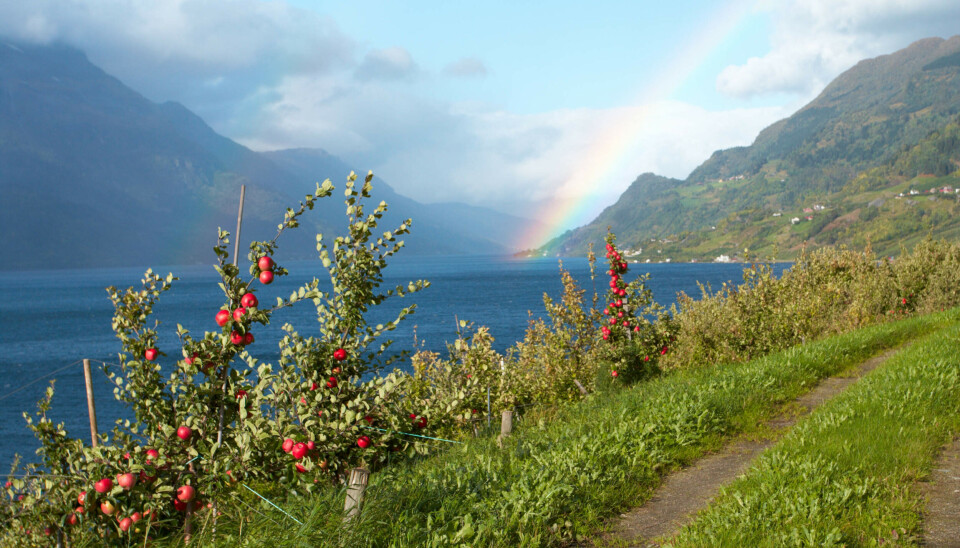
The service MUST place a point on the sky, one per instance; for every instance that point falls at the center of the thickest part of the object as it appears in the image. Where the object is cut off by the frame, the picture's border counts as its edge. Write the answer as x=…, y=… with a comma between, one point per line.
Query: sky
x=546, y=110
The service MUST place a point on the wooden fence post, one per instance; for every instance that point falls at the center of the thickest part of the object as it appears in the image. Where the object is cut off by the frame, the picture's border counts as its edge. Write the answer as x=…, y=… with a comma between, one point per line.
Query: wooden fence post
x=91, y=408
x=580, y=386
x=356, y=486
x=506, y=423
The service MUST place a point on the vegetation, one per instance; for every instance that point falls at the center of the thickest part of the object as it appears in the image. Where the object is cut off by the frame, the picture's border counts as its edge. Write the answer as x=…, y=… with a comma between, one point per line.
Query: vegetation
x=217, y=426
x=563, y=473
x=845, y=476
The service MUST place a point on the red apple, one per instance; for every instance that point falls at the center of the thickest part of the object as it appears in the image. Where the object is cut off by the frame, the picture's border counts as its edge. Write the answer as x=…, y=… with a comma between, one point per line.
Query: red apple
x=72, y=518
x=339, y=354
x=80, y=510
x=223, y=317
x=248, y=339
x=82, y=497
x=127, y=481
x=185, y=493
x=423, y=422
x=300, y=468
x=150, y=354
x=265, y=263
x=125, y=524
x=135, y=517
x=299, y=451
x=239, y=313
x=249, y=300
x=310, y=445
x=107, y=507
x=152, y=454
x=184, y=432
x=614, y=373
x=236, y=337
x=266, y=277
x=103, y=485
x=332, y=383
x=363, y=442
x=288, y=445
x=8, y=485
x=180, y=506
x=47, y=531
x=241, y=394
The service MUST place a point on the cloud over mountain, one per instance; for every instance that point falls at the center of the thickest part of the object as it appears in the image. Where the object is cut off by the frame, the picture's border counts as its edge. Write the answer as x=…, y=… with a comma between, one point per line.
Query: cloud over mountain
x=815, y=40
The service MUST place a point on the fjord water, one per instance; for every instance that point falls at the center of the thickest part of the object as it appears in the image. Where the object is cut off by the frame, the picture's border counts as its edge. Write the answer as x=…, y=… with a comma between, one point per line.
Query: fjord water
x=52, y=319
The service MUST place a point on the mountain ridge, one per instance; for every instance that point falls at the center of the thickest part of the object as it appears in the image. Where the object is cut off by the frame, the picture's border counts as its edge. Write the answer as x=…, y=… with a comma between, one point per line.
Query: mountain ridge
x=863, y=119
x=94, y=174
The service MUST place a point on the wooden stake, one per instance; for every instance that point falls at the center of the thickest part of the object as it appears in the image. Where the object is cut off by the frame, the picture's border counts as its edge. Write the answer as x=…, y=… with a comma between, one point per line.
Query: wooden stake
x=236, y=238
x=356, y=486
x=488, y=408
x=91, y=407
x=506, y=423
x=226, y=369
x=580, y=386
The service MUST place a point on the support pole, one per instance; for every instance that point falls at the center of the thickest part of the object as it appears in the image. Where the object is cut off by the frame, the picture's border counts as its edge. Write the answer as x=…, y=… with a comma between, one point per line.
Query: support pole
x=236, y=238
x=356, y=486
x=91, y=407
x=488, y=408
x=506, y=423
x=583, y=390
x=226, y=369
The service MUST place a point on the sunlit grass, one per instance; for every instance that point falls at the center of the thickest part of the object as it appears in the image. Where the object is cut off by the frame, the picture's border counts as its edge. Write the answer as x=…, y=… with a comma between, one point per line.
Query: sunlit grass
x=561, y=477
x=844, y=476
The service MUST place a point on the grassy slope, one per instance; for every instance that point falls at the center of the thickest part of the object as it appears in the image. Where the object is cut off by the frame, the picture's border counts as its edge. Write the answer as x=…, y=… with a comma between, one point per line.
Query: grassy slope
x=844, y=475
x=561, y=478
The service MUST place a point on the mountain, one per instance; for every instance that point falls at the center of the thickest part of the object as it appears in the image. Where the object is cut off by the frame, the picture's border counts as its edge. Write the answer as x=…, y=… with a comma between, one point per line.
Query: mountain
x=440, y=228
x=868, y=118
x=94, y=174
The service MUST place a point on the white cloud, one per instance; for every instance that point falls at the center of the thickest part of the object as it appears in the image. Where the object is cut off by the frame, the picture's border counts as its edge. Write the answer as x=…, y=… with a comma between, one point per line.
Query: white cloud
x=468, y=67
x=815, y=40
x=393, y=63
x=435, y=152
x=169, y=50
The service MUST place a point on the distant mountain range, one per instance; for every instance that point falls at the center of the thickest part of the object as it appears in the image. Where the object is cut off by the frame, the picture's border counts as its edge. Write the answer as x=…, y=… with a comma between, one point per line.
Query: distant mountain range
x=831, y=173
x=94, y=174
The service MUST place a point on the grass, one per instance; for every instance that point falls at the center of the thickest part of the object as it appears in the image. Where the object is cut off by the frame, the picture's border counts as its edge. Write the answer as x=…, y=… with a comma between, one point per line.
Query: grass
x=846, y=475
x=557, y=479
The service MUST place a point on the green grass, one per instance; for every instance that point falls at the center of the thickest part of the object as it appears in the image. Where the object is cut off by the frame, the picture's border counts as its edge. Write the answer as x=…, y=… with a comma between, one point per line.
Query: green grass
x=559, y=478
x=846, y=474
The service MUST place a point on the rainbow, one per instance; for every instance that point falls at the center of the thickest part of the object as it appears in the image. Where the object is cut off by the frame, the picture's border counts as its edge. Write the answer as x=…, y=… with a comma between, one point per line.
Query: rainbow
x=570, y=208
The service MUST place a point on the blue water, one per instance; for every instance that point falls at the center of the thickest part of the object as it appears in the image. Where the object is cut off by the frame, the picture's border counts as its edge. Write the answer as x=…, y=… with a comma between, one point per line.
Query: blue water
x=50, y=319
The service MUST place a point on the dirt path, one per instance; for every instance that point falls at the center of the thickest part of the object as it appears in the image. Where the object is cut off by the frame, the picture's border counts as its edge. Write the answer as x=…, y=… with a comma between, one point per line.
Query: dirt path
x=941, y=519
x=685, y=492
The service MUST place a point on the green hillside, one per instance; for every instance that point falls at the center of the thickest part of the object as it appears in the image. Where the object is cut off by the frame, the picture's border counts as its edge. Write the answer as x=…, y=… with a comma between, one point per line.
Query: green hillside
x=881, y=128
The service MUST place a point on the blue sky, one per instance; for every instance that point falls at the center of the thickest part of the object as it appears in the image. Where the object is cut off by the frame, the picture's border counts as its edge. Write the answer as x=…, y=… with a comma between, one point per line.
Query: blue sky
x=514, y=105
